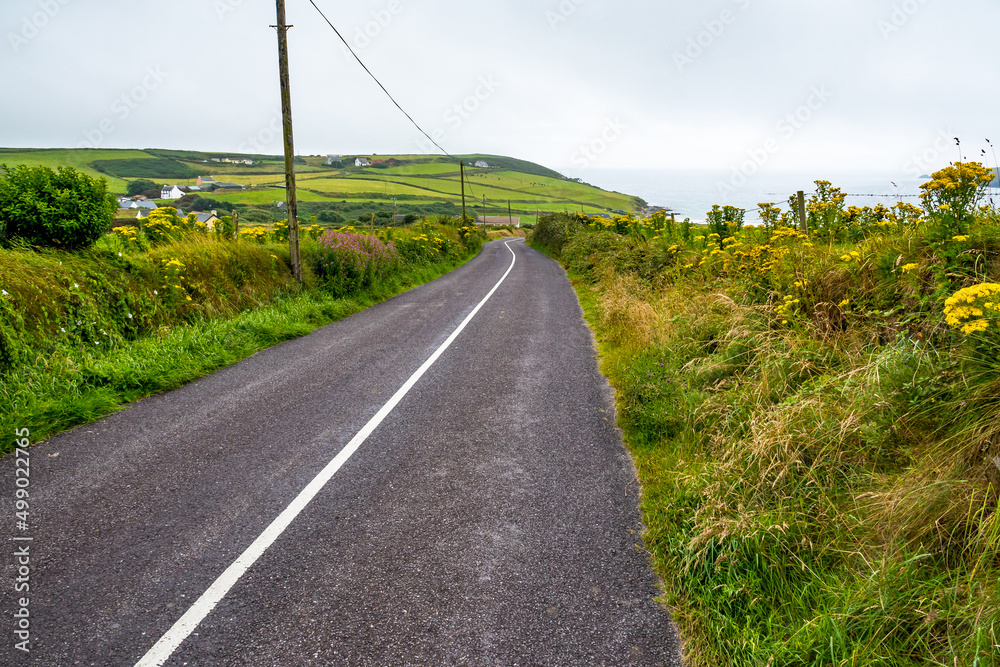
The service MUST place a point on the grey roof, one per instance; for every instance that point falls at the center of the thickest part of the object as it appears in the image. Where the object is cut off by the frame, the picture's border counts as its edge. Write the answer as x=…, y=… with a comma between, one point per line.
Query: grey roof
x=180, y=212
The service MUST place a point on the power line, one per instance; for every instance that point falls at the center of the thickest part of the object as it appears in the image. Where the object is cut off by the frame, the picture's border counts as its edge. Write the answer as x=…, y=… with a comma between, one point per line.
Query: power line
x=375, y=79
x=386, y=91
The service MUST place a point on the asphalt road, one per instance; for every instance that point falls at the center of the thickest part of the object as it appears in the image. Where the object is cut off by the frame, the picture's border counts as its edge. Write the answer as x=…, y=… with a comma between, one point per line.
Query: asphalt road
x=490, y=519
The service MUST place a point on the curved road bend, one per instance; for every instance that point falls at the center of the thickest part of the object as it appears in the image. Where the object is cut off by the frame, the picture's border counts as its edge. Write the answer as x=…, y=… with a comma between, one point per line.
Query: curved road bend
x=489, y=519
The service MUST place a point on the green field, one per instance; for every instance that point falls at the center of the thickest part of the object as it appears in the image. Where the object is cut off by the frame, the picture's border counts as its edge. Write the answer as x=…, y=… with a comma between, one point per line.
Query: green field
x=423, y=169
x=350, y=185
x=78, y=158
x=418, y=181
x=259, y=197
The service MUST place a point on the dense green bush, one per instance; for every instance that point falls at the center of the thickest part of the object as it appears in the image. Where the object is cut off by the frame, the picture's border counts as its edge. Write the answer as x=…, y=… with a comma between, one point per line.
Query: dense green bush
x=163, y=169
x=553, y=230
x=255, y=216
x=60, y=209
x=139, y=186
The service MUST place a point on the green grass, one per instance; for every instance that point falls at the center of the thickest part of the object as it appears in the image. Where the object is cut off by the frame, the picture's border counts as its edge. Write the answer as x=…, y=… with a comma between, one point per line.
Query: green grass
x=83, y=333
x=74, y=387
x=475, y=189
x=161, y=168
x=563, y=189
x=420, y=169
x=342, y=187
x=79, y=159
x=265, y=196
x=818, y=484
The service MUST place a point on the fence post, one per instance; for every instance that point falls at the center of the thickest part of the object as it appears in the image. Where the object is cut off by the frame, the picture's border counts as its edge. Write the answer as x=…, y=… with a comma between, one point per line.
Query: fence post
x=803, y=224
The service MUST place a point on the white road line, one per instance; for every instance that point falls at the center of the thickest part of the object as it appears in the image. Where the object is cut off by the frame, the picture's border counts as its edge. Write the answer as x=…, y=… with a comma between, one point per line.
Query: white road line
x=186, y=624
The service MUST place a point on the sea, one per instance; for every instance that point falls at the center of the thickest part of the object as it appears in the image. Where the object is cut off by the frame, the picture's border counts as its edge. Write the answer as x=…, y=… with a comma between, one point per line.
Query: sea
x=690, y=193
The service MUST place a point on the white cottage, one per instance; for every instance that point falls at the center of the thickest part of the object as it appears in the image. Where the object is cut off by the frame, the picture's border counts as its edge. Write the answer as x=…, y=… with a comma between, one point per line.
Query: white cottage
x=171, y=192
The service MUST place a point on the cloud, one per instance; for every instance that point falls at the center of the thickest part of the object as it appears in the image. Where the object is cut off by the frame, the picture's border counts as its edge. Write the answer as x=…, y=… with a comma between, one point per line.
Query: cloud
x=698, y=84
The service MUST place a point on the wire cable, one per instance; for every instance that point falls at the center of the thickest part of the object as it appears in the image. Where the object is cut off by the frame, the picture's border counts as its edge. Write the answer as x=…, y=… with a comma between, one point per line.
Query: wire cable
x=384, y=90
x=375, y=79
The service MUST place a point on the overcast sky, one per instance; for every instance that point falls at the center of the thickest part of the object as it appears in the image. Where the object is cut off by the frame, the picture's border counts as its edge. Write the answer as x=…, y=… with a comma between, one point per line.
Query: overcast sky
x=576, y=84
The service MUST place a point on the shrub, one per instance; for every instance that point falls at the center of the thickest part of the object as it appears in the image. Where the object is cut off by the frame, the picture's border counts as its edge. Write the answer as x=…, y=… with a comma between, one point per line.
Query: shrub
x=725, y=221
x=331, y=217
x=348, y=262
x=553, y=230
x=281, y=230
x=165, y=169
x=951, y=197
x=60, y=209
x=255, y=234
x=163, y=225
x=224, y=228
x=255, y=216
x=202, y=204
x=139, y=186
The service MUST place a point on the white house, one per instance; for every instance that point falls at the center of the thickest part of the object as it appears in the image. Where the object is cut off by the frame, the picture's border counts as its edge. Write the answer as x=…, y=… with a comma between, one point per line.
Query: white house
x=482, y=164
x=171, y=192
x=362, y=162
x=500, y=220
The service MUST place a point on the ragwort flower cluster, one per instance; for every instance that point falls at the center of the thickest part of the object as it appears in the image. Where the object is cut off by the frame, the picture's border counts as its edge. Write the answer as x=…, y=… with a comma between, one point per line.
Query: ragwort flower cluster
x=974, y=309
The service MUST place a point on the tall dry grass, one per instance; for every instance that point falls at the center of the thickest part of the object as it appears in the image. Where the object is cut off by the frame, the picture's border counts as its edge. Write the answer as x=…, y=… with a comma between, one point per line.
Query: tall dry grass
x=820, y=481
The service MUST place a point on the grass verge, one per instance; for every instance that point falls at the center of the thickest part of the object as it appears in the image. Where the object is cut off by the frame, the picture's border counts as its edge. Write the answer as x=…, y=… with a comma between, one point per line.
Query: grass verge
x=84, y=334
x=819, y=450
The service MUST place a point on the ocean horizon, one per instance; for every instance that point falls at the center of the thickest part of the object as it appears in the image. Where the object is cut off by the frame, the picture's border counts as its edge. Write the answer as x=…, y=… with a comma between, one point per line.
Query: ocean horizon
x=692, y=192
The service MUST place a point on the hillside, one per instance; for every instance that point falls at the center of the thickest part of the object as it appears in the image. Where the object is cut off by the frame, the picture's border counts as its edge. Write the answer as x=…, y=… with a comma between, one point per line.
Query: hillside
x=393, y=184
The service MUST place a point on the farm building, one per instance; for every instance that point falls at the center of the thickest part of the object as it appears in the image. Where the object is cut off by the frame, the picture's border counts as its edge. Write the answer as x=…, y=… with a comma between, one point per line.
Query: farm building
x=171, y=192
x=514, y=221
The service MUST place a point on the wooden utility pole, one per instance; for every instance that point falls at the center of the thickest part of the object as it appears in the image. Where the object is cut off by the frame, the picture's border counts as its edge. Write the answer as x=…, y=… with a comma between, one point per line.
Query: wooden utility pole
x=462, y=173
x=803, y=224
x=286, y=122
x=510, y=214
